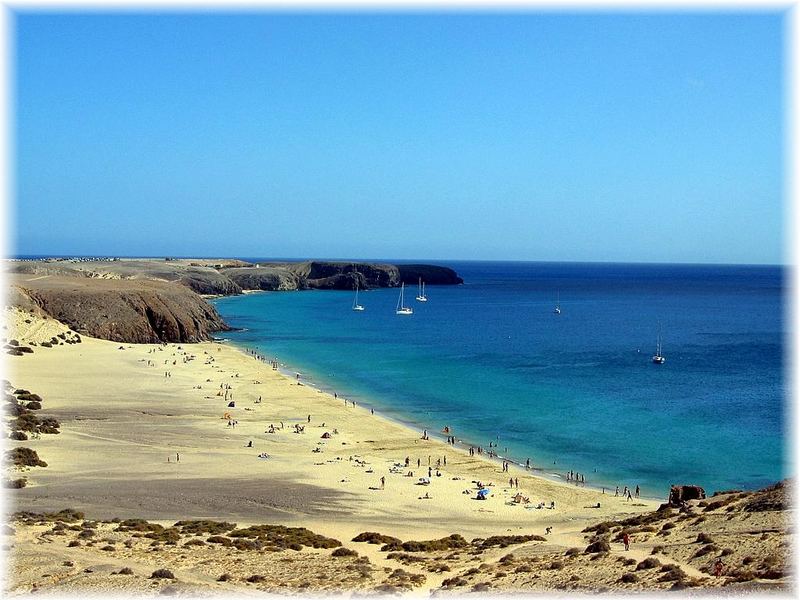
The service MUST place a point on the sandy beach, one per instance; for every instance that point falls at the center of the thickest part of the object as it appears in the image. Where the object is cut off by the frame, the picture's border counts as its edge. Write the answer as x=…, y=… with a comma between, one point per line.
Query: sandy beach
x=147, y=433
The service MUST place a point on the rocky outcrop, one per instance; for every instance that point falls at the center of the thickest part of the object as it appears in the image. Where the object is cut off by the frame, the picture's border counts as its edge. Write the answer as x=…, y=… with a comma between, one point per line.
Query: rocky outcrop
x=430, y=274
x=679, y=494
x=343, y=276
x=264, y=278
x=209, y=281
x=136, y=311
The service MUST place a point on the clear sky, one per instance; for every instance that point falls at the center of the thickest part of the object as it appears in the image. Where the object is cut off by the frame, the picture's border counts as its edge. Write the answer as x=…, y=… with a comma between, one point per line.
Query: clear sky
x=525, y=136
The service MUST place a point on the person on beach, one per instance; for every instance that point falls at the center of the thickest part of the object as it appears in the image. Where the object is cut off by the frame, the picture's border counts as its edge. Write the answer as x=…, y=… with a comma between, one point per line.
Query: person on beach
x=629, y=495
x=177, y=457
x=511, y=482
x=419, y=463
x=637, y=491
x=383, y=482
x=309, y=418
x=718, y=568
x=626, y=540
x=516, y=481
x=616, y=491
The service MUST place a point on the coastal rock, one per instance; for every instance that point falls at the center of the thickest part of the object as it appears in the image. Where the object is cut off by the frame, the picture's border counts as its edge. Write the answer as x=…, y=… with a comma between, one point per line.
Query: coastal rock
x=264, y=278
x=679, y=494
x=209, y=281
x=430, y=274
x=135, y=311
x=343, y=276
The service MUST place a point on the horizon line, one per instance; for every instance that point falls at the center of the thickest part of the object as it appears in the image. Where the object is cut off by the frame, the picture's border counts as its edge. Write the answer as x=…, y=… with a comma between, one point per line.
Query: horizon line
x=386, y=260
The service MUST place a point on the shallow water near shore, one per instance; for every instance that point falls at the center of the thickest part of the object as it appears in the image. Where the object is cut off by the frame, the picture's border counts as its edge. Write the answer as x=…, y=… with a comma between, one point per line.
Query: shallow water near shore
x=575, y=391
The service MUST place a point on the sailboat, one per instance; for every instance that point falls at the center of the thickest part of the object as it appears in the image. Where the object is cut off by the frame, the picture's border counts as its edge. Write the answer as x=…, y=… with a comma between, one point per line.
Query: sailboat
x=421, y=297
x=557, y=309
x=356, y=306
x=658, y=358
x=403, y=310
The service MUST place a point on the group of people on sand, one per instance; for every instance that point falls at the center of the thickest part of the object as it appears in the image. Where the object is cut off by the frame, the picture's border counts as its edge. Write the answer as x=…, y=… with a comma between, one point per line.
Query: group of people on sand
x=577, y=478
x=626, y=493
x=273, y=362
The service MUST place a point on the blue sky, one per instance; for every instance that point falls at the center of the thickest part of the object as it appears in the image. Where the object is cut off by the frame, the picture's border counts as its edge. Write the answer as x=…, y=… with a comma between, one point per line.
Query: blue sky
x=650, y=137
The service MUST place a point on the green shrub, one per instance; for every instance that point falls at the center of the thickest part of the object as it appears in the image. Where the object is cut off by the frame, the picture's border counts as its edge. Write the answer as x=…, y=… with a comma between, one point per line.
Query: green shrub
x=204, y=527
x=372, y=537
x=24, y=457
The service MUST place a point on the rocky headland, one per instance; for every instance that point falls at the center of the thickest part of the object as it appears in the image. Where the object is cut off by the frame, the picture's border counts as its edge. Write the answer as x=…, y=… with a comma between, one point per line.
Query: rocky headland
x=160, y=300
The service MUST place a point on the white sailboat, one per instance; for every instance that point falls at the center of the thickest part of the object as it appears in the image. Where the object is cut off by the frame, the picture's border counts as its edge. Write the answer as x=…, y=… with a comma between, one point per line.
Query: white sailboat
x=421, y=297
x=356, y=306
x=659, y=358
x=557, y=309
x=403, y=310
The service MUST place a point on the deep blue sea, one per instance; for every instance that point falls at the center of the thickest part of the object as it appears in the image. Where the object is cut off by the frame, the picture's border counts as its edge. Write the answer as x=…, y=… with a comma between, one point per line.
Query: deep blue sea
x=571, y=391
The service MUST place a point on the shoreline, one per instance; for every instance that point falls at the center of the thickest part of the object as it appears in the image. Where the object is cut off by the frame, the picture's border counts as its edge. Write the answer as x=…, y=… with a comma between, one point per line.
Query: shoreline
x=414, y=426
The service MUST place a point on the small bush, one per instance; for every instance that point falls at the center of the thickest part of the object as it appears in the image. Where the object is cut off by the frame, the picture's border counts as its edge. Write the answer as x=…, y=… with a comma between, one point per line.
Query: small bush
x=218, y=539
x=506, y=540
x=108, y=548
x=557, y=565
x=255, y=579
x=24, y=457
x=194, y=542
x=342, y=551
x=15, y=484
x=125, y=571
x=707, y=549
x=657, y=550
x=648, y=563
x=224, y=577
x=672, y=573
x=162, y=574
x=572, y=552
x=372, y=537
x=629, y=578
x=704, y=538
x=73, y=544
x=507, y=559
x=598, y=547
x=19, y=436
x=204, y=527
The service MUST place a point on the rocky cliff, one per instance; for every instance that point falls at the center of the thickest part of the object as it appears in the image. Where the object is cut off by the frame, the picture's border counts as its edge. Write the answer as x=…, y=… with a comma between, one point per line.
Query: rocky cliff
x=137, y=311
x=430, y=274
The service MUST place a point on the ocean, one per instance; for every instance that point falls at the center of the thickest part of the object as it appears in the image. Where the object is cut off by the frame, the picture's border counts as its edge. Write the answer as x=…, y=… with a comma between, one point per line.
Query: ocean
x=574, y=391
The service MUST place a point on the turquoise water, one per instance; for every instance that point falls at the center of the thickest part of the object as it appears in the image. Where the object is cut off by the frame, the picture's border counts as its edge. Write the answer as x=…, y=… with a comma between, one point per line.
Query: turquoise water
x=575, y=391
